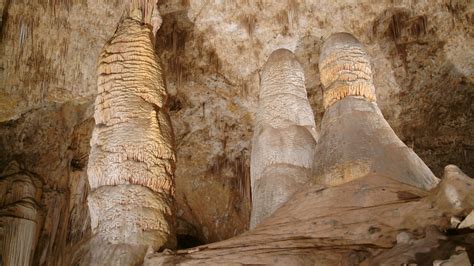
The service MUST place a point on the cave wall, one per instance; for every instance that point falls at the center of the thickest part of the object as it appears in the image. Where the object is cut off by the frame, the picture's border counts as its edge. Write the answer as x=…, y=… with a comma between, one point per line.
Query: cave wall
x=212, y=54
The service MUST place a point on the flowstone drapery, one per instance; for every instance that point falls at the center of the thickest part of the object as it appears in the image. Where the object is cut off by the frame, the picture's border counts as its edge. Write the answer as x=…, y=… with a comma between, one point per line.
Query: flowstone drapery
x=284, y=136
x=132, y=158
x=20, y=220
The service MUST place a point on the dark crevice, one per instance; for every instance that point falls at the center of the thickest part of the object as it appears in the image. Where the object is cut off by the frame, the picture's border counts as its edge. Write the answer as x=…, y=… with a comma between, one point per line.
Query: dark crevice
x=188, y=241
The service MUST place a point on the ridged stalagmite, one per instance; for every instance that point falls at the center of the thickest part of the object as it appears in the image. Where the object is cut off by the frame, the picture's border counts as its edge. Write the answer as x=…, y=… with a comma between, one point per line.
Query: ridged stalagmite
x=132, y=158
x=284, y=135
x=355, y=138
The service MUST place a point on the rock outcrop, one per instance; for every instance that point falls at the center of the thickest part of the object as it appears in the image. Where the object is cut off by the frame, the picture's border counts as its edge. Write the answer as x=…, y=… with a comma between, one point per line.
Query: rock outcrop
x=356, y=140
x=132, y=159
x=284, y=136
x=372, y=220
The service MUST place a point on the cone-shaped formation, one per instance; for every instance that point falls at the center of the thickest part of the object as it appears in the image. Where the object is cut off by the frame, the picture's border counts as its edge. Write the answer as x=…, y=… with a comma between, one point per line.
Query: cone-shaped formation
x=356, y=140
x=19, y=216
x=284, y=135
x=132, y=159
x=345, y=69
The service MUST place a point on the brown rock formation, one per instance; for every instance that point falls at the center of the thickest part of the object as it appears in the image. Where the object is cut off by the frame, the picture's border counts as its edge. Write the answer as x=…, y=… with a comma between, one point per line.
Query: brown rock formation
x=356, y=140
x=364, y=213
x=368, y=221
x=132, y=159
x=20, y=219
x=284, y=136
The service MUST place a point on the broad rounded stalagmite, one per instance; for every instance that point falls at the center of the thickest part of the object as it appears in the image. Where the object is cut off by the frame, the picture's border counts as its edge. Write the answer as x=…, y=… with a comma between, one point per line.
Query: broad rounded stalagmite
x=355, y=138
x=284, y=136
x=132, y=158
x=20, y=221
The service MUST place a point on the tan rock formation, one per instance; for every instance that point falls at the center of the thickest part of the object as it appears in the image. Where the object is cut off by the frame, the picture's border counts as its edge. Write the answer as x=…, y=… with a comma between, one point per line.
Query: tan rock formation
x=356, y=140
x=132, y=158
x=212, y=54
x=284, y=136
x=20, y=220
x=372, y=220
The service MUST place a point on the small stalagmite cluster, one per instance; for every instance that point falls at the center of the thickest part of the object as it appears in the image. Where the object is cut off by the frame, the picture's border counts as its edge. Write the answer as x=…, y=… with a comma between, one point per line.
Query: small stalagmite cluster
x=132, y=158
x=284, y=136
x=357, y=196
x=355, y=141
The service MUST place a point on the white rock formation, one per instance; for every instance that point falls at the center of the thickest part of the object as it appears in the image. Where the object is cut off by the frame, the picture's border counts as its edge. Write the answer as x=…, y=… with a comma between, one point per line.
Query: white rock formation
x=132, y=159
x=284, y=136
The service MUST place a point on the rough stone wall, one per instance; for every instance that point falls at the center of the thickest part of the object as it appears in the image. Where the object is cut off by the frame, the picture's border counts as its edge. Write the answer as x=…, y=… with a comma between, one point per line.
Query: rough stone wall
x=212, y=53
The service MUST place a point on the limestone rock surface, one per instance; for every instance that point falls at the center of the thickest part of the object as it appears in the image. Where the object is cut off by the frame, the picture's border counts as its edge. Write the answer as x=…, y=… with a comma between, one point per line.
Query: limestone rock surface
x=20, y=215
x=132, y=158
x=355, y=223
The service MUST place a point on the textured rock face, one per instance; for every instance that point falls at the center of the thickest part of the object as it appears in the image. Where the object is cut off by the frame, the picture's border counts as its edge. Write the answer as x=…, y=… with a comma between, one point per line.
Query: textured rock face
x=132, y=142
x=212, y=54
x=356, y=140
x=20, y=219
x=132, y=160
x=284, y=136
x=345, y=70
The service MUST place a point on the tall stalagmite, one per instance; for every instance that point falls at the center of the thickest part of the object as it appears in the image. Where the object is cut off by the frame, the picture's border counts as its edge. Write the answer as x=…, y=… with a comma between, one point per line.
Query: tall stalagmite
x=132, y=159
x=356, y=140
x=284, y=135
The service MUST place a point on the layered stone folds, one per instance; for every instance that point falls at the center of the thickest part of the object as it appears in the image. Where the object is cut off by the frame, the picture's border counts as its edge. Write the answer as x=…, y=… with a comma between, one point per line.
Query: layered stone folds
x=20, y=221
x=284, y=135
x=132, y=158
x=356, y=140
x=345, y=69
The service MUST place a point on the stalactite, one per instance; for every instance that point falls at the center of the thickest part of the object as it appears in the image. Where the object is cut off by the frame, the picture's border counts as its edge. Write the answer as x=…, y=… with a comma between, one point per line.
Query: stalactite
x=132, y=158
x=355, y=138
x=284, y=135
